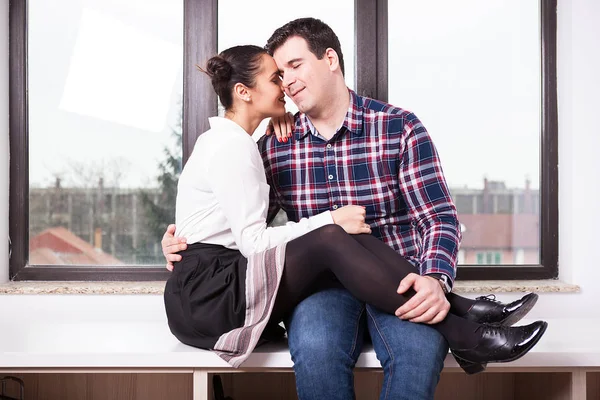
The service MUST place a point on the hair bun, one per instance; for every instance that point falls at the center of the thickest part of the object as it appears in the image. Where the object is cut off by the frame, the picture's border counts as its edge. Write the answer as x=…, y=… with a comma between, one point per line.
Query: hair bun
x=219, y=69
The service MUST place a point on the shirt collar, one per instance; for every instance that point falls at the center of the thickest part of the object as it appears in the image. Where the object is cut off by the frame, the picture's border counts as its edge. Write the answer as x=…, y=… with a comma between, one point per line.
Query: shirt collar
x=353, y=122
x=224, y=123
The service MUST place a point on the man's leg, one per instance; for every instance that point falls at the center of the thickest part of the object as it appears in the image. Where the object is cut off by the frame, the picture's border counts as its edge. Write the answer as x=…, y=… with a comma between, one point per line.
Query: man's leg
x=325, y=334
x=412, y=356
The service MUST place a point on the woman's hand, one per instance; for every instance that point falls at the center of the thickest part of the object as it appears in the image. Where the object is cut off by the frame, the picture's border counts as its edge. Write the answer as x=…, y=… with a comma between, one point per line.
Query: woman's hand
x=352, y=219
x=282, y=127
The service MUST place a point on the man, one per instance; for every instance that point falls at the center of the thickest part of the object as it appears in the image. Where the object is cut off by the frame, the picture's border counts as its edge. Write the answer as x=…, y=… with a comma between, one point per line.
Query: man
x=348, y=149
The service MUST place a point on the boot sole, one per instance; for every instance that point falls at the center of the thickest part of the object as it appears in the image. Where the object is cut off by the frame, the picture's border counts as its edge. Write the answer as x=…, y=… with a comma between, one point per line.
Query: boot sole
x=523, y=311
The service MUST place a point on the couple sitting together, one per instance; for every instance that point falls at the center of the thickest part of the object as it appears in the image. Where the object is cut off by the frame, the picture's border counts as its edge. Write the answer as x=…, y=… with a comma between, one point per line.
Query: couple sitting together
x=372, y=244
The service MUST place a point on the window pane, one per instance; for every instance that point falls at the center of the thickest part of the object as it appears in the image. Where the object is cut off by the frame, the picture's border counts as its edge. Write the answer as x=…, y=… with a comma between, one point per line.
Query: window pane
x=470, y=70
x=480, y=258
x=267, y=16
x=105, y=86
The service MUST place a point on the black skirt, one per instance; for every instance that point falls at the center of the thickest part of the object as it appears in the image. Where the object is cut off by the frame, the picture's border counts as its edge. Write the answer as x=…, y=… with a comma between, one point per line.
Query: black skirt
x=216, y=299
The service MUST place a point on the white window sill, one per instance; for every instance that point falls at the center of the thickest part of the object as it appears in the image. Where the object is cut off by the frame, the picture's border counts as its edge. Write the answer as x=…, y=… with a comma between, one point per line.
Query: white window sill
x=485, y=287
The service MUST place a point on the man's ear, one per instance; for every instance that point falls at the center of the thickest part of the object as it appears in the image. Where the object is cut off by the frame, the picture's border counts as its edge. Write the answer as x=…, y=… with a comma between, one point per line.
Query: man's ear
x=332, y=58
x=242, y=92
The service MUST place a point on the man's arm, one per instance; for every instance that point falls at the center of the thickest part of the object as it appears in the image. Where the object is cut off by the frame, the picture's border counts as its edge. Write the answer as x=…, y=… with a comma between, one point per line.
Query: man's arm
x=432, y=210
x=429, y=203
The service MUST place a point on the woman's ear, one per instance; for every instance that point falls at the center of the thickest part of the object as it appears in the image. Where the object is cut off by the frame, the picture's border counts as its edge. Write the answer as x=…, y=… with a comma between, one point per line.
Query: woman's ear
x=242, y=92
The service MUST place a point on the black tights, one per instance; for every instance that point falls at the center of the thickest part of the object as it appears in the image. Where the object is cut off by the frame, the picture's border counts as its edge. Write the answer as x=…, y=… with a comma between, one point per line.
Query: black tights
x=366, y=267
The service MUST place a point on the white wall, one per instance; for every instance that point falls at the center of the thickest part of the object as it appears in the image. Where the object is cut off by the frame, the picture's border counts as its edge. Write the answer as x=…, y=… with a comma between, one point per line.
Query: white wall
x=4, y=140
x=579, y=143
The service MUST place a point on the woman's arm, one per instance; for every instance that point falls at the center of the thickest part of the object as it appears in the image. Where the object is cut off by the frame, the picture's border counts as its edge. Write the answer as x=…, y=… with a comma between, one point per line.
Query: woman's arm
x=239, y=185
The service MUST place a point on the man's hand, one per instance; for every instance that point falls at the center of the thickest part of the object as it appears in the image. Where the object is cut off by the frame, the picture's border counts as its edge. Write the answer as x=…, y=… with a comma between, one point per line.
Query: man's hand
x=171, y=245
x=428, y=306
x=282, y=127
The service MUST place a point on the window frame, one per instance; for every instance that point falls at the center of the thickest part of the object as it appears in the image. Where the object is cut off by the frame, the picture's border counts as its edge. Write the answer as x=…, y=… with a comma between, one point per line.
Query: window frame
x=200, y=102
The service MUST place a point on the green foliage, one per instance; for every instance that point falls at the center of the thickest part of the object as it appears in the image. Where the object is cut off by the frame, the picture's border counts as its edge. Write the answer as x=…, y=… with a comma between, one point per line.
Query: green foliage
x=160, y=207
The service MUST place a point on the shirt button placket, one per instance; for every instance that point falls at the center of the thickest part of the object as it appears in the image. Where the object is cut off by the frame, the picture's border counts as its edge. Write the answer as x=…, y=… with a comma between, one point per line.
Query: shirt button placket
x=331, y=176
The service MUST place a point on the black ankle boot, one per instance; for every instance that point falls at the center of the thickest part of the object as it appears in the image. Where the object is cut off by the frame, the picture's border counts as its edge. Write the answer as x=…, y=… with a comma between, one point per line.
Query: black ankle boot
x=488, y=310
x=499, y=344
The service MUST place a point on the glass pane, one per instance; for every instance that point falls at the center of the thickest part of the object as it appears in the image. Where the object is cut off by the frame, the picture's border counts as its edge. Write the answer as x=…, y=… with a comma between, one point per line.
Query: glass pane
x=470, y=70
x=267, y=16
x=105, y=87
x=479, y=258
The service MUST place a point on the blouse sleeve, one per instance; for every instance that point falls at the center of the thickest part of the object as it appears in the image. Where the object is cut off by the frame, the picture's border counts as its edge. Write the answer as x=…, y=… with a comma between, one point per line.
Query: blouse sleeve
x=240, y=187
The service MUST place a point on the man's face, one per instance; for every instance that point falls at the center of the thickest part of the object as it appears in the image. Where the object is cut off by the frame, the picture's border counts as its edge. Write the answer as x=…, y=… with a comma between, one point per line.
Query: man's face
x=304, y=76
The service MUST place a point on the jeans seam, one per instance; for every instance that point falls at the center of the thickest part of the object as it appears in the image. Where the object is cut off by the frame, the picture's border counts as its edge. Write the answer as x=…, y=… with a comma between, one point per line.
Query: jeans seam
x=355, y=340
x=390, y=353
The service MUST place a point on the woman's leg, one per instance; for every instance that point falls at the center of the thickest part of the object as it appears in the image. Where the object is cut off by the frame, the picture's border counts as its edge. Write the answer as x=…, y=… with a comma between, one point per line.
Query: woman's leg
x=458, y=305
x=313, y=256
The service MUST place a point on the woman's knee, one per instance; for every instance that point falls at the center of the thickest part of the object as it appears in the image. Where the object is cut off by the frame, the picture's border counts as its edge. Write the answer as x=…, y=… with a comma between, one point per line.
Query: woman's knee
x=331, y=232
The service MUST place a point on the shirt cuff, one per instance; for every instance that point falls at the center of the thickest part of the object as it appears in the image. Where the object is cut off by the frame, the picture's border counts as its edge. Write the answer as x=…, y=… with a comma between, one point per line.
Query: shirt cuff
x=319, y=220
x=438, y=267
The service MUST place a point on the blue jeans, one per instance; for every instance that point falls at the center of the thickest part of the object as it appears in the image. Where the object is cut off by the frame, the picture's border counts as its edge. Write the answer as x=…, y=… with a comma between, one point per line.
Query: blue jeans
x=326, y=333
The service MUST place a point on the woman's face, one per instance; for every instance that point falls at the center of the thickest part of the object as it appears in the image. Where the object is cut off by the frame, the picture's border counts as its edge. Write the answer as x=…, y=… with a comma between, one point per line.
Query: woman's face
x=267, y=94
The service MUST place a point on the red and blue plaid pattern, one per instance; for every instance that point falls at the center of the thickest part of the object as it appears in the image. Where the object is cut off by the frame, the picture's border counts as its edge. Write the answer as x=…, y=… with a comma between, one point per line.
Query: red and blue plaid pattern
x=381, y=158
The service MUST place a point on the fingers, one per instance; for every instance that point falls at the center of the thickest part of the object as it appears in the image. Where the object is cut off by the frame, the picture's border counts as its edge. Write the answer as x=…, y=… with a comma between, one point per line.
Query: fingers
x=172, y=258
x=433, y=315
x=168, y=238
x=425, y=308
x=289, y=123
x=439, y=317
x=173, y=242
x=173, y=246
x=284, y=127
x=169, y=266
x=280, y=130
x=407, y=282
x=171, y=229
x=410, y=305
x=269, y=130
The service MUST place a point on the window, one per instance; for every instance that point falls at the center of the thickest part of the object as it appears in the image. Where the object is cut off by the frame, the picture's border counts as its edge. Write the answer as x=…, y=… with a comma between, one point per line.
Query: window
x=489, y=258
x=474, y=79
x=90, y=198
x=78, y=165
x=335, y=14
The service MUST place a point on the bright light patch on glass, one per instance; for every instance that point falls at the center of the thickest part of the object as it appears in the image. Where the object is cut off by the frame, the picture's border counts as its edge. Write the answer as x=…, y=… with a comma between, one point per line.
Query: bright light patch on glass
x=113, y=70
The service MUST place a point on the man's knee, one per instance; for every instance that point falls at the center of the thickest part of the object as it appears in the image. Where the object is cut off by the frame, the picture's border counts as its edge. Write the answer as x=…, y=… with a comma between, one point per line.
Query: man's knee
x=421, y=346
x=327, y=327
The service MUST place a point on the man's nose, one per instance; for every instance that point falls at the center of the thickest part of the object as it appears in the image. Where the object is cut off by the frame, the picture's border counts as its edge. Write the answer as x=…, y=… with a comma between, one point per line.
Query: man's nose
x=287, y=80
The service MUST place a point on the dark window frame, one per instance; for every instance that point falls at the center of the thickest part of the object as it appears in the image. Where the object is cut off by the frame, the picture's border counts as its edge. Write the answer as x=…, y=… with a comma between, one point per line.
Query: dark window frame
x=200, y=102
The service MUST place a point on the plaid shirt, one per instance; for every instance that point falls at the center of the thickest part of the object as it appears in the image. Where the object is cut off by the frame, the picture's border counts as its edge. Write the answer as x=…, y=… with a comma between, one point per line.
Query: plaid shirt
x=381, y=158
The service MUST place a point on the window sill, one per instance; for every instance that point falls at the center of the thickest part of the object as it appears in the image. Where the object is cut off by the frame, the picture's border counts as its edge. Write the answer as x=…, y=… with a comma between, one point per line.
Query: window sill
x=157, y=287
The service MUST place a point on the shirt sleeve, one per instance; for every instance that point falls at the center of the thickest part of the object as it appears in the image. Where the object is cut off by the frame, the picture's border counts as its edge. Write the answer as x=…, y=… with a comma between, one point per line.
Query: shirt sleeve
x=429, y=202
x=239, y=185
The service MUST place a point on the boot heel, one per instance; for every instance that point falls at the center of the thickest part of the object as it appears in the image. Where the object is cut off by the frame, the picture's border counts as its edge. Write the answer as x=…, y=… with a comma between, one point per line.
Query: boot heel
x=470, y=367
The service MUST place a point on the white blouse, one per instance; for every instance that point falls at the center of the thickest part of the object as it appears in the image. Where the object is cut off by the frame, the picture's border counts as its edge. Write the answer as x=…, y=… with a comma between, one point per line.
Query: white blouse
x=223, y=195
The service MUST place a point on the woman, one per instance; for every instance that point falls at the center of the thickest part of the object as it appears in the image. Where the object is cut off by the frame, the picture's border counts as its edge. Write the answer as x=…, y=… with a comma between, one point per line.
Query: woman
x=238, y=276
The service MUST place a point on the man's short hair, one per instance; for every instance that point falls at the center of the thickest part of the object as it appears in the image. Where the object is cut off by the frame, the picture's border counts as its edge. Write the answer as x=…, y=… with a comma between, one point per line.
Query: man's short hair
x=318, y=35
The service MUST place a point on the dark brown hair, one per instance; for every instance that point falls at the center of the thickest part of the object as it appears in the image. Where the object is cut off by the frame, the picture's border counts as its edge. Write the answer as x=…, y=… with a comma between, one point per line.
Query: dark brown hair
x=238, y=64
x=317, y=34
